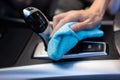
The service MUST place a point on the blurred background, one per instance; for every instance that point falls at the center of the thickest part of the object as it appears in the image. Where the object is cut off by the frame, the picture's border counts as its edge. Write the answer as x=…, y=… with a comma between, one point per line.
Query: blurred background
x=13, y=8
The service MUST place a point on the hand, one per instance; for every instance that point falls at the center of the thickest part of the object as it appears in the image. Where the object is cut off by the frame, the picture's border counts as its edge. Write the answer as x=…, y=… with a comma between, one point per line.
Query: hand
x=87, y=19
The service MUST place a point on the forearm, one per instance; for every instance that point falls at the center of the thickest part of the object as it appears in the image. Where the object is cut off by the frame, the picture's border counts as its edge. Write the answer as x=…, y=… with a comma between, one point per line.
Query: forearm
x=99, y=6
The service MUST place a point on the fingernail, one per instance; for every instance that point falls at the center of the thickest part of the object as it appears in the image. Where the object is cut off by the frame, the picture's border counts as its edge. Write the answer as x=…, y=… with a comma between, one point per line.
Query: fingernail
x=51, y=35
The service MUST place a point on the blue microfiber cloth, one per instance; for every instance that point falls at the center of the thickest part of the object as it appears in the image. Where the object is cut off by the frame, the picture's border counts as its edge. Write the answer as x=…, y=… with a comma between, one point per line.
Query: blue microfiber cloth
x=65, y=39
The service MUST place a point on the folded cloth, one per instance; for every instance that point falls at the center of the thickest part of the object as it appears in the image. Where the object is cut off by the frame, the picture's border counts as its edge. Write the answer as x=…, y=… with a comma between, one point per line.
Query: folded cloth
x=65, y=39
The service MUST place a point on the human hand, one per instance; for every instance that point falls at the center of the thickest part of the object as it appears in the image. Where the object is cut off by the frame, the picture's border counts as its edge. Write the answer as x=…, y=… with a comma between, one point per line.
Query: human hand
x=87, y=19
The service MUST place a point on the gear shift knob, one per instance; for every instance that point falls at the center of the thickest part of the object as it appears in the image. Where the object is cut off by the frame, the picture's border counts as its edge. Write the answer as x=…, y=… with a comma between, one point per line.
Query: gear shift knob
x=35, y=19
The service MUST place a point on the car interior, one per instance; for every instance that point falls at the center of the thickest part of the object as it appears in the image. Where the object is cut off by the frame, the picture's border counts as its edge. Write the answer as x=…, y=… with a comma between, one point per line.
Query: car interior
x=22, y=55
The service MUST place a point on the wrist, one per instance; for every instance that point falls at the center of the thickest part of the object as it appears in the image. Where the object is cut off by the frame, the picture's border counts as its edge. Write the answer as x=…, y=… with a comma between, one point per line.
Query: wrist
x=99, y=7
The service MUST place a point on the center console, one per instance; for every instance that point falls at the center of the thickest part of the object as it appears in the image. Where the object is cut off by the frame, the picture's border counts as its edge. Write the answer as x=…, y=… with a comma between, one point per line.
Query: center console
x=23, y=55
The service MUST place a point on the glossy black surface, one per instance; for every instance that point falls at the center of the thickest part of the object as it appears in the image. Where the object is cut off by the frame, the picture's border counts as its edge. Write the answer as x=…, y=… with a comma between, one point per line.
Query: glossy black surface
x=37, y=22
x=18, y=46
x=27, y=57
x=14, y=38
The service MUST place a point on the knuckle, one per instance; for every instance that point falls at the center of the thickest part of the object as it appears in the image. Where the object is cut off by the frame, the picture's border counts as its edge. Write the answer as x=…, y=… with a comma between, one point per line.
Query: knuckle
x=55, y=18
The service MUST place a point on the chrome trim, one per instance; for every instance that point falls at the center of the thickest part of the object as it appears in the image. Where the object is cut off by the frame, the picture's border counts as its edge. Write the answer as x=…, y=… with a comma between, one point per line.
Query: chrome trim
x=42, y=54
x=27, y=13
x=108, y=22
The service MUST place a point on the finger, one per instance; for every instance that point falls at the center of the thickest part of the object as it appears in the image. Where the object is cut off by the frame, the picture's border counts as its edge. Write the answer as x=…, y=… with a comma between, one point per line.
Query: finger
x=61, y=23
x=57, y=18
x=81, y=25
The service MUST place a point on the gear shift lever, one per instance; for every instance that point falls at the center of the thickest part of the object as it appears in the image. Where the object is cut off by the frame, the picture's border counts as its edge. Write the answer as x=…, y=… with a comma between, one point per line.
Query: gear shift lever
x=35, y=19
x=38, y=22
